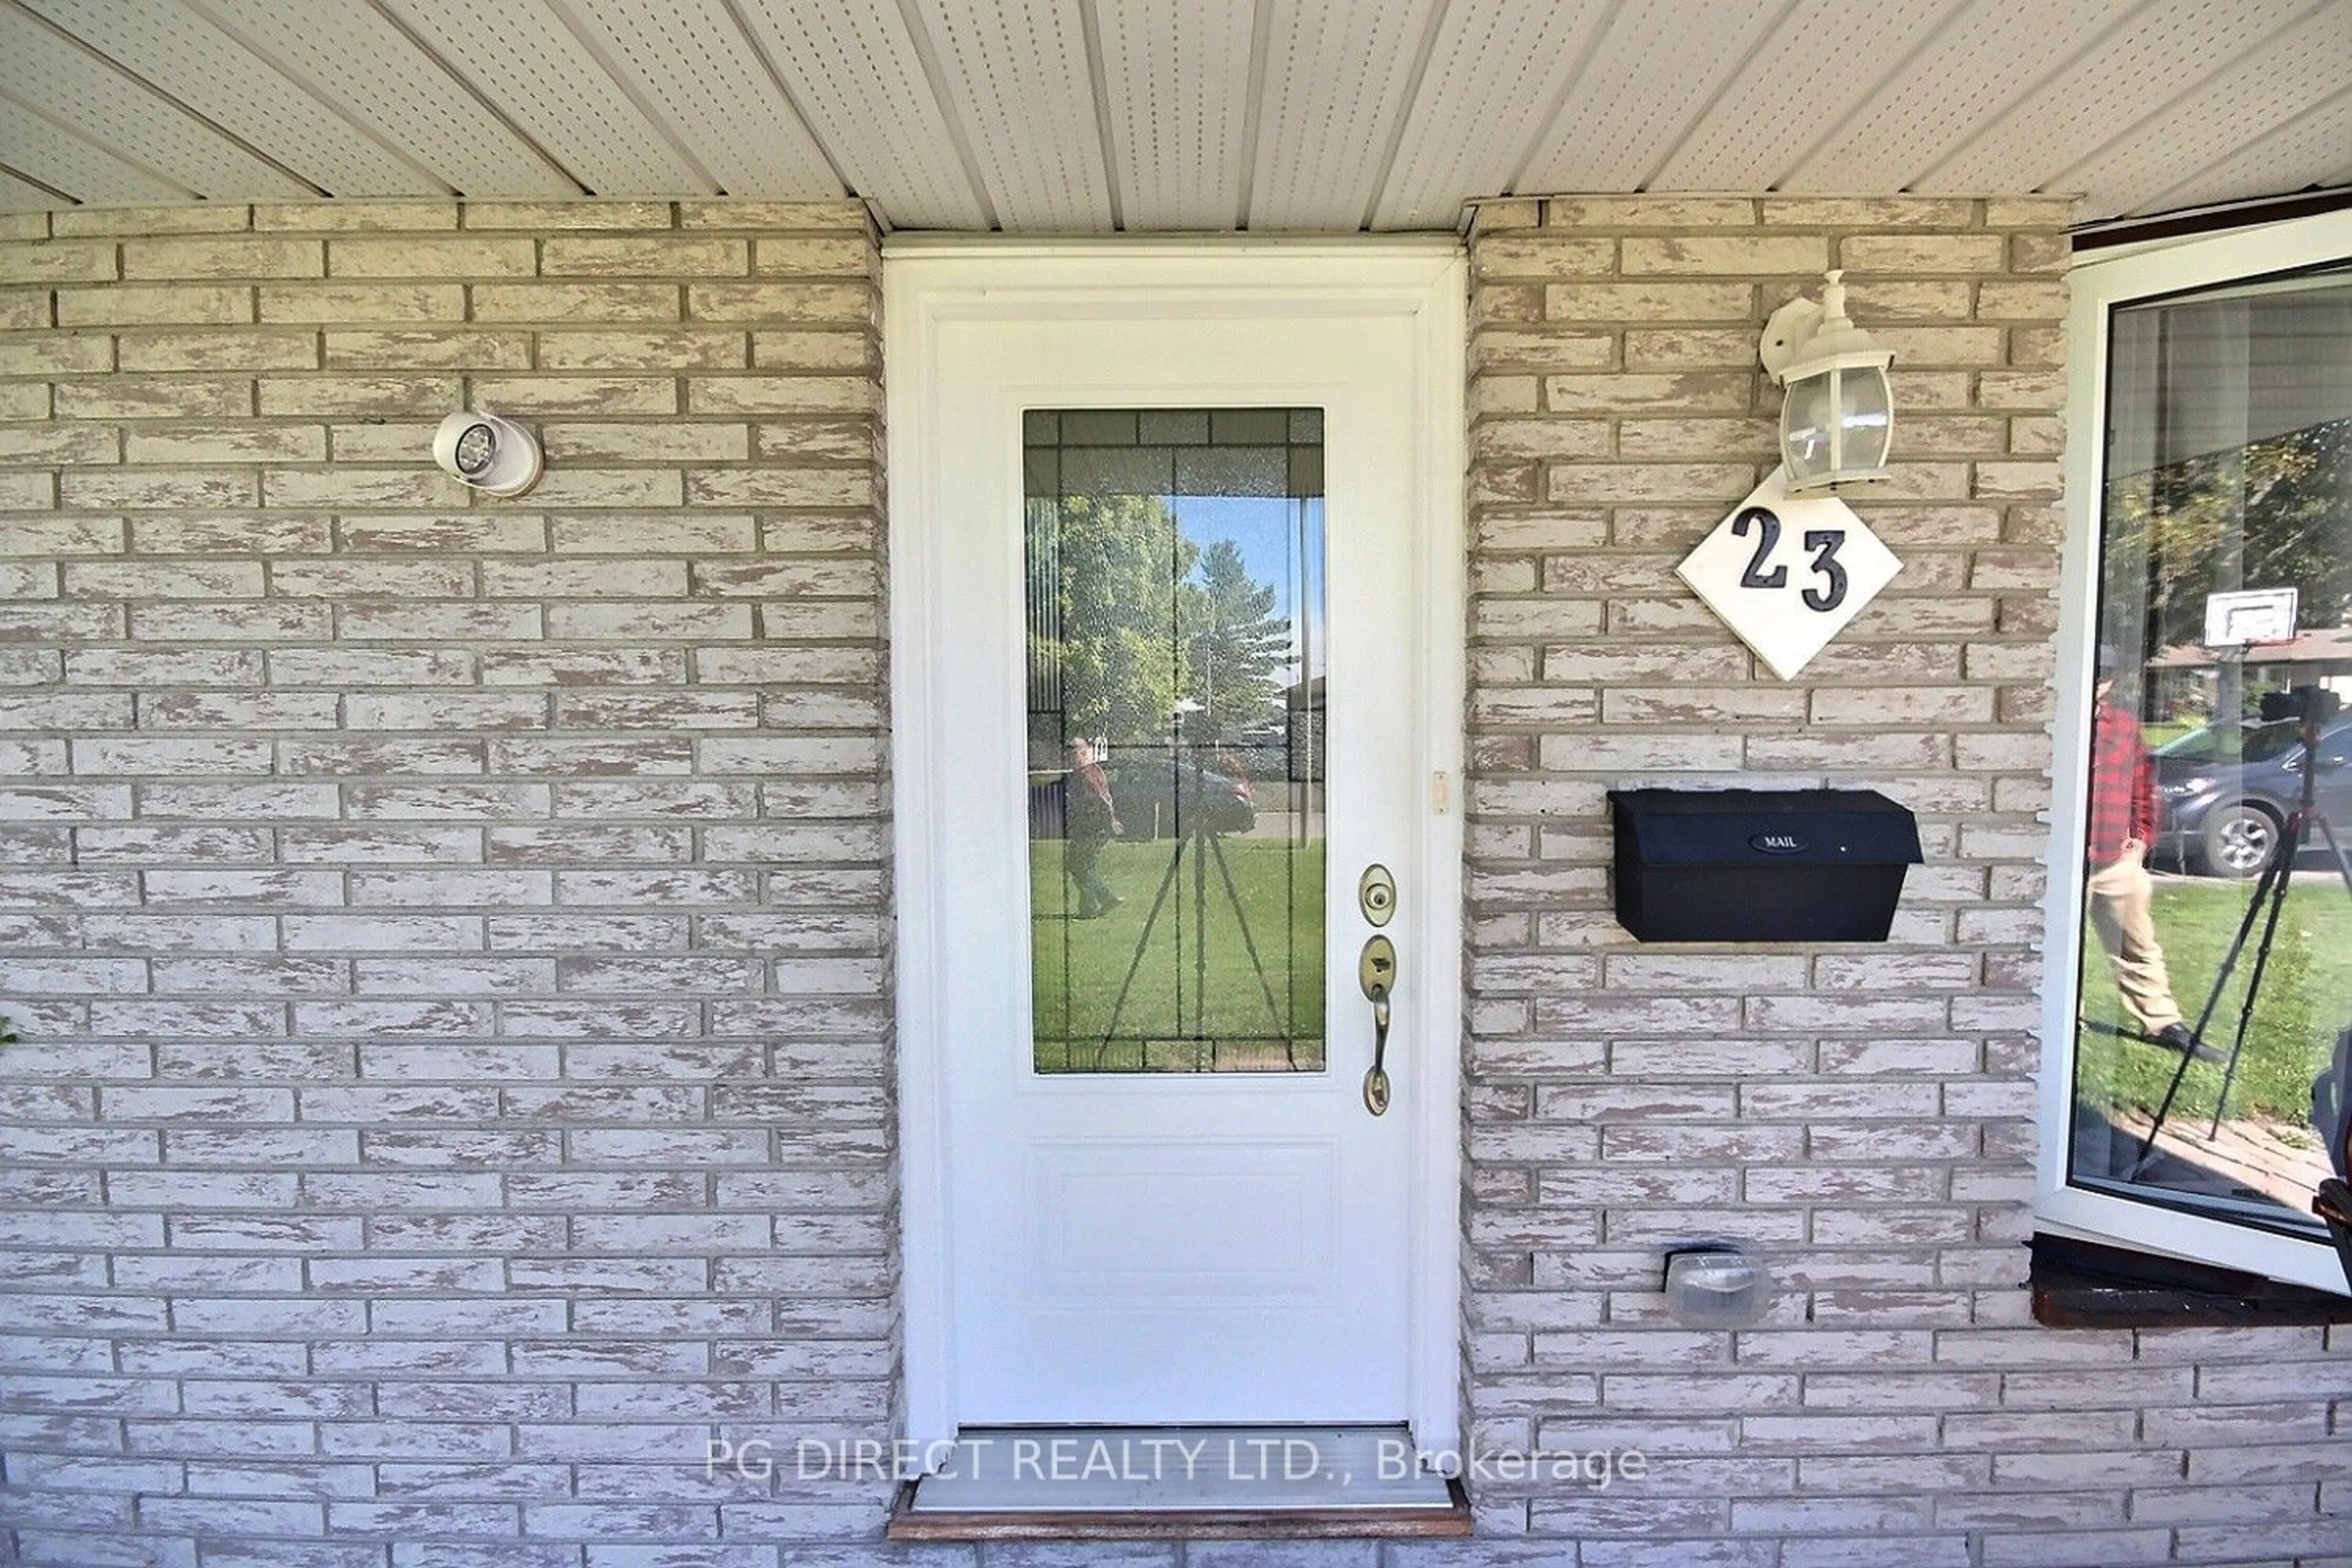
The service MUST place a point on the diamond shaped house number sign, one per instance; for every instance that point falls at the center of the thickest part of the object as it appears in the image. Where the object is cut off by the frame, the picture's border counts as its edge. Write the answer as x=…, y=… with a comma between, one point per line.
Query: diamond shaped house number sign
x=1787, y=573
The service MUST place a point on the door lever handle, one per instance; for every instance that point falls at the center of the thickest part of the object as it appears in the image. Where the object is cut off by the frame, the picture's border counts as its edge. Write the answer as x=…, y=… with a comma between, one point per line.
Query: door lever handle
x=1376, y=973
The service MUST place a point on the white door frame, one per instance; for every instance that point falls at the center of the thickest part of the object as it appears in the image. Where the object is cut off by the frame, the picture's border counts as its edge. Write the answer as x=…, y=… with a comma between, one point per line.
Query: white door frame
x=929, y=281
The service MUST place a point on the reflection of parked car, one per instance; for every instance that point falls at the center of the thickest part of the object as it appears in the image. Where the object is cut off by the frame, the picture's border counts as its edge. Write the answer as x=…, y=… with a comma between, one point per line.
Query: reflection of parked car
x=2224, y=814
x=1159, y=798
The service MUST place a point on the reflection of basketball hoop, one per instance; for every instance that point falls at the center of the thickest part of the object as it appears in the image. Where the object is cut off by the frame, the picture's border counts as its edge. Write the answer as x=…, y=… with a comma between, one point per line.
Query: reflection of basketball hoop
x=2250, y=616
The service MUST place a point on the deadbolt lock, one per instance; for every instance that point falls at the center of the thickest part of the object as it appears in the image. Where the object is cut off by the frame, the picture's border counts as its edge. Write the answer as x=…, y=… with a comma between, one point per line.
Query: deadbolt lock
x=1376, y=894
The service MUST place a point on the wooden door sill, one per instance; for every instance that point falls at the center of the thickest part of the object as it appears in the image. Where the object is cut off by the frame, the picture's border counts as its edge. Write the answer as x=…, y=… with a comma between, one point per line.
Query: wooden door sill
x=1450, y=1522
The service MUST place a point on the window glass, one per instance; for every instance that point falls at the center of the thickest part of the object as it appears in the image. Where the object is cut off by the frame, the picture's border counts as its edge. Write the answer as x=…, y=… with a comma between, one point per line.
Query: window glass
x=1175, y=737
x=2217, y=946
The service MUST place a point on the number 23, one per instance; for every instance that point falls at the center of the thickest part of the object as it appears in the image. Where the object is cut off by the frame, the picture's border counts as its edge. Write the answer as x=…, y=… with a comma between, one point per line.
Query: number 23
x=1822, y=541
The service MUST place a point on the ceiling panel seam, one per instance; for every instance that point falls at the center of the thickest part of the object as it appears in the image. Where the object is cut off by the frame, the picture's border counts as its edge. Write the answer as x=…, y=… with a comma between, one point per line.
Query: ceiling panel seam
x=305, y=84
x=98, y=149
x=108, y=63
x=463, y=84
x=2185, y=89
x=784, y=93
x=2328, y=105
x=1254, y=109
x=1951, y=19
x=22, y=177
x=2039, y=85
x=599, y=49
x=1433, y=29
x=1106, y=122
x=1699, y=101
x=1540, y=137
x=926, y=55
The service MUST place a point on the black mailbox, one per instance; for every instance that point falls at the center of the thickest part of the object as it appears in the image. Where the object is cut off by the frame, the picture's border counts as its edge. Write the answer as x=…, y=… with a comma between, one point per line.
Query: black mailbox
x=1760, y=865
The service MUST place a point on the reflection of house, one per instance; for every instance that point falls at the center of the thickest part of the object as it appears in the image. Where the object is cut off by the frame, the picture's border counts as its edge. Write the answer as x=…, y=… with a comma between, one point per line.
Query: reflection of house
x=457, y=941
x=2322, y=658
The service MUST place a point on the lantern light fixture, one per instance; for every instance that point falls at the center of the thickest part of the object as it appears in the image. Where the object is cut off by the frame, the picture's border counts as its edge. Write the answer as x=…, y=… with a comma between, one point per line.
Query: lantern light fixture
x=1838, y=415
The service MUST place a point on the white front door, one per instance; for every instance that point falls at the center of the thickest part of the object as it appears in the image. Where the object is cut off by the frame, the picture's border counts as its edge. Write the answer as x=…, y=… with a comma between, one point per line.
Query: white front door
x=1177, y=638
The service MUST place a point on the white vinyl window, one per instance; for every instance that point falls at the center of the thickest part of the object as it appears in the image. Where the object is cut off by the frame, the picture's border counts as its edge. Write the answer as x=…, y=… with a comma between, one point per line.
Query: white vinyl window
x=2199, y=971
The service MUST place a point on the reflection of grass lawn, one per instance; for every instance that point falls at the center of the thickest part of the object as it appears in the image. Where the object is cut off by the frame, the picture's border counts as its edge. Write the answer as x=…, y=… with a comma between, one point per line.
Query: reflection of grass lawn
x=1197, y=1000
x=2304, y=1003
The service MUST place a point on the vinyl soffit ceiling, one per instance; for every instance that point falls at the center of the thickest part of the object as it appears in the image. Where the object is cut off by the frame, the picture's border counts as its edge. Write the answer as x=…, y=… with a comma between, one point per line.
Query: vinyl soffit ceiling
x=1095, y=116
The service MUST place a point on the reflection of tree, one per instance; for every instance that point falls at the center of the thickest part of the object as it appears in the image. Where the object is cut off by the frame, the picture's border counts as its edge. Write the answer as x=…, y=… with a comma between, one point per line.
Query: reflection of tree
x=1235, y=644
x=1126, y=616
x=2273, y=514
x=1103, y=573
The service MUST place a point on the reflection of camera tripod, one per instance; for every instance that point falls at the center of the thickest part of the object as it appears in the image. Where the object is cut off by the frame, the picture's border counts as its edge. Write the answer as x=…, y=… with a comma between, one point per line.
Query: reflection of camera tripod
x=1194, y=836
x=2268, y=901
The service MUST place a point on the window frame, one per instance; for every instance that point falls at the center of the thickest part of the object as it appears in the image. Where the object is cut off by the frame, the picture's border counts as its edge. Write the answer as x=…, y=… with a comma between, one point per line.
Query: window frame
x=2098, y=288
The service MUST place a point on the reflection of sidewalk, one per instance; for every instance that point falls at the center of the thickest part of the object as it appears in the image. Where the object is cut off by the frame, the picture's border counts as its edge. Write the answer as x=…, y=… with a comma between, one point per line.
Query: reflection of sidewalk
x=2253, y=1159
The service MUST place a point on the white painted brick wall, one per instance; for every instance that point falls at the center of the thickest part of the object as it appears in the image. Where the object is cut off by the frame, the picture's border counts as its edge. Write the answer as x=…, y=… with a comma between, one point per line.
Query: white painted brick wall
x=451, y=935
x=448, y=934
x=1863, y=1115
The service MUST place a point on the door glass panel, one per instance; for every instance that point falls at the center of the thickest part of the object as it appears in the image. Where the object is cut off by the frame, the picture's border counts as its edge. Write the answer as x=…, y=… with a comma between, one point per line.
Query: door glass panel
x=1175, y=738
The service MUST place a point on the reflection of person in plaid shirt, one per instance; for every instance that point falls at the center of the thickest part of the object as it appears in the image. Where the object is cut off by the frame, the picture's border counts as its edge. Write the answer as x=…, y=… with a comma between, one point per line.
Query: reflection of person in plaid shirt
x=2114, y=850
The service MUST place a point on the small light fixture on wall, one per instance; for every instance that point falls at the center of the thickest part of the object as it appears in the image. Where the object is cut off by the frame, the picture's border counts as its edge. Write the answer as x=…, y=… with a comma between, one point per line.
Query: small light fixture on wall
x=1716, y=1285
x=488, y=453
x=1839, y=412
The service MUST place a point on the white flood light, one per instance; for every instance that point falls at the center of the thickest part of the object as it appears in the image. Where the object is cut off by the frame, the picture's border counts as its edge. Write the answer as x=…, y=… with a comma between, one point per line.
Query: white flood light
x=1838, y=416
x=488, y=453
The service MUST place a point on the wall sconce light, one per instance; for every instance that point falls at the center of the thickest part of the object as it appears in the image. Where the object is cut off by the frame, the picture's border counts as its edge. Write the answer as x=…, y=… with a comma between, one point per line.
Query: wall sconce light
x=1716, y=1287
x=1839, y=412
x=488, y=453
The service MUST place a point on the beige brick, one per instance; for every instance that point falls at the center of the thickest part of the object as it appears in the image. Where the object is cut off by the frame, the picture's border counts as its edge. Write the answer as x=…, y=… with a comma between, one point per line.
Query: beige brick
x=57, y=262
x=770, y=304
x=552, y=395
x=1870, y=212
x=820, y=440
x=758, y=215
x=331, y=302
x=2032, y=302
x=38, y=536
x=1499, y=215
x=313, y=395
x=569, y=304
x=209, y=217
x=58, y=444
x=240, y=443
x=56, y=354
x=696, y=533
x=27, y=491
x=333, y=488
x=539, y=216
x=1965, y=253
x=25, y=226
x=647, y=443
x=204, y=489
x=1731, y=394
x=782, y=487
x=381, y=440
x=135, y=398
x=183, y=260
x=646, y=258
x=810, y=256
x=1690, y=348
x=431, y=257
x=24, y=400
x=1537, y=253
x=354, y=216
x=570, y=486
x=1719, y=255
x=680, y=349
x=244, y=349
x=1676, y=213
x=230, y=535
x=2032, y=212
x=1650, y=302
x=455, y=349
x=783, y=395
x=24, y=307
x=131, y=305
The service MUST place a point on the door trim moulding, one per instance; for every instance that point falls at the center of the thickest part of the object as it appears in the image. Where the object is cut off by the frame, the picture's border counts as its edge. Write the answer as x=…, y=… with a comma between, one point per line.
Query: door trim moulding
x=929, y=281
